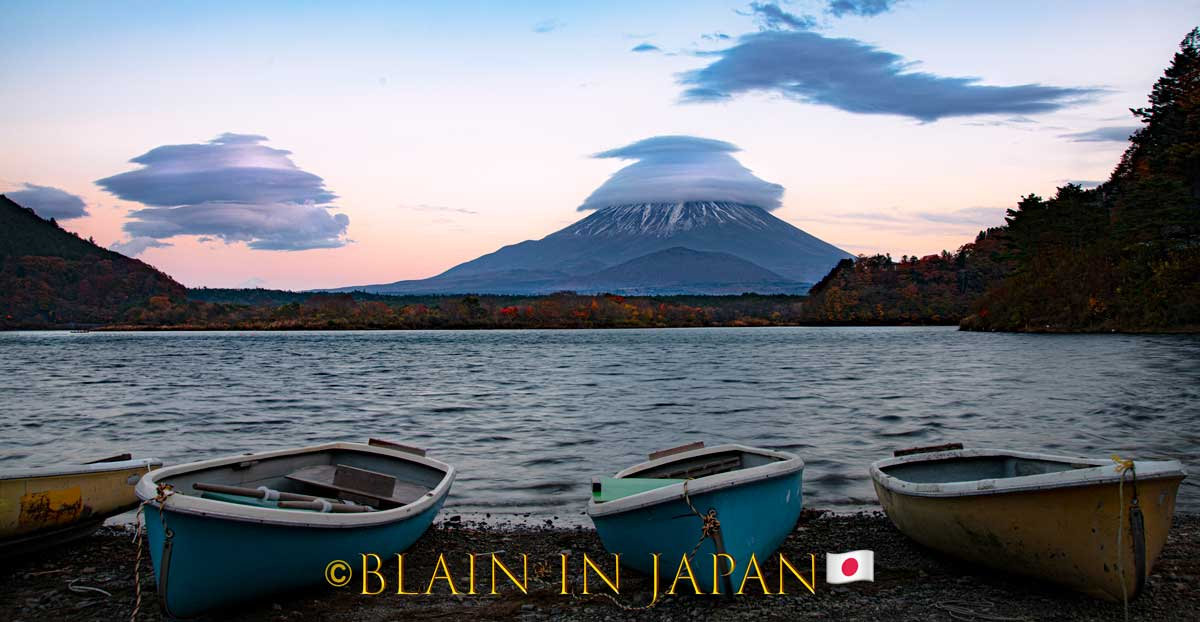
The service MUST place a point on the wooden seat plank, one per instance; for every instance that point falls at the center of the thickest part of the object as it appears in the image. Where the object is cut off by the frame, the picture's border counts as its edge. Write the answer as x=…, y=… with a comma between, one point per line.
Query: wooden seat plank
x=322, y=475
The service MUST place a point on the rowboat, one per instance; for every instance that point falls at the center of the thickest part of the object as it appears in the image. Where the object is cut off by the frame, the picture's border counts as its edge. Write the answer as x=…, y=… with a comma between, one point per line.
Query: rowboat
x=233, y=529
x=42, y=506
x=664, y=505
x=1096, y=526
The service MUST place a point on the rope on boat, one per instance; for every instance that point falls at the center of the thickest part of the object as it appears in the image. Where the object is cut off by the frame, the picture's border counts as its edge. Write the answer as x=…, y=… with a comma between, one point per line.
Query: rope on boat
x=1160, y=454
x=137, y=563
x=161, y=493
x=1123, y=467
x=710, y=527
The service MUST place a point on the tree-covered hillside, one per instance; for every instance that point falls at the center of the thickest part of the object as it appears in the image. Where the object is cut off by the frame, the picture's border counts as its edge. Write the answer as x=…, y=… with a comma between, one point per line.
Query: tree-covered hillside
x=52, y=278
x=1122, y=256
x=935, y=289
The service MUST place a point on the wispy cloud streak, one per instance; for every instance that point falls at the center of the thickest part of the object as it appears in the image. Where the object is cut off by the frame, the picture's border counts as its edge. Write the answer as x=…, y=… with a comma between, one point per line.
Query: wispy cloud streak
x=437, y=208
x=862, y=8
x=1116, y=134
x=548, y=25
x=856, y=77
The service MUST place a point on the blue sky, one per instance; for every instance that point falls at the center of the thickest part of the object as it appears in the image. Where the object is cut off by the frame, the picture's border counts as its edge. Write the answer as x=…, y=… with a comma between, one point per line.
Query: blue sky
x=437, y=132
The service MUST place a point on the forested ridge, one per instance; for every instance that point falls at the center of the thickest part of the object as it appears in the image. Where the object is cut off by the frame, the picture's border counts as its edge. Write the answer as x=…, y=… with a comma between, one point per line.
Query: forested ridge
x=50, y=277
x=935, y=289
x=1122, y=256
x=563, y=310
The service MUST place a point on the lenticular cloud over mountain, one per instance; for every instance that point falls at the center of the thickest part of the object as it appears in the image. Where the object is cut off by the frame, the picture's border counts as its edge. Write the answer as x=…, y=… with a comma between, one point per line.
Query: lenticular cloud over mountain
x=679, y=169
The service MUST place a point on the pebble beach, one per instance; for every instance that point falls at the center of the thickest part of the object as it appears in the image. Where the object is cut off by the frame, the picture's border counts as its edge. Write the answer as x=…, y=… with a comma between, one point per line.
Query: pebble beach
x=93, y=579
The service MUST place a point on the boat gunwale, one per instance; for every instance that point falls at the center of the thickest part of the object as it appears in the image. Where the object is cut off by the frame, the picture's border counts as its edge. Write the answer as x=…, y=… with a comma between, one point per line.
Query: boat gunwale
x=210, y=508
x=787, y=464
x=67, y=470
x=1094, y=475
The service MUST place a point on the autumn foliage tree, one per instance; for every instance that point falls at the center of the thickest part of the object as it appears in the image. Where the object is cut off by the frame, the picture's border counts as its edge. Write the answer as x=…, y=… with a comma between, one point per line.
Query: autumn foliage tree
x=935, y=289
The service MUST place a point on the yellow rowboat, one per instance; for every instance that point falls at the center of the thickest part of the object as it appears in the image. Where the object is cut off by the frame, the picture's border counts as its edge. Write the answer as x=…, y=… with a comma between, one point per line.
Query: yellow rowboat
x=1067, y=520
x=42, y=506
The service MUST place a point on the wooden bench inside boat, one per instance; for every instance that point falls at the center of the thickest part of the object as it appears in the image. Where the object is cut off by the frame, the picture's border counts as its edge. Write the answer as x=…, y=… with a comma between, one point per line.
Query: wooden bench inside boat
x=718, y=464
x=359, y=485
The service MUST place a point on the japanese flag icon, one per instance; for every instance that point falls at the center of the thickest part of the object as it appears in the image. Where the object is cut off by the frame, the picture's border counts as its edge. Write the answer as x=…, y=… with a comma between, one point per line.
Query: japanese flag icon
x=849, y=567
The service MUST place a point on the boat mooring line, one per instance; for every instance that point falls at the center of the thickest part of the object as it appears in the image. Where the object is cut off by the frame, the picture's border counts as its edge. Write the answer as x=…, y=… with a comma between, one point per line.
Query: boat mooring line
x=710, y=528
x=137, y=562
x=163, y=491
x=1136, y=525
x=139, y=530
x=962, y=610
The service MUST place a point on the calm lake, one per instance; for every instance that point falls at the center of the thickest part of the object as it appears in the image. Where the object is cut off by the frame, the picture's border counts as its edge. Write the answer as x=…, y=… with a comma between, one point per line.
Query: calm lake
x=529, y=417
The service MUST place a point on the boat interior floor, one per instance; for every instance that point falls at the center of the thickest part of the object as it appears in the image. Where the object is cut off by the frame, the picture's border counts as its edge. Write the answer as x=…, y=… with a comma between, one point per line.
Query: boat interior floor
x=968, y=469
x=363, y=479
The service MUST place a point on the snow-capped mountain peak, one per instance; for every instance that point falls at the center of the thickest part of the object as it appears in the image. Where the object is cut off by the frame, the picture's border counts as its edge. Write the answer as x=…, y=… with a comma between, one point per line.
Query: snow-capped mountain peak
x=661, y=220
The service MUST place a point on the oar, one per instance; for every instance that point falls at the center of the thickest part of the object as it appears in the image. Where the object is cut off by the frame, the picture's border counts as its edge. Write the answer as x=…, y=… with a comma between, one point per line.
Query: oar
x=282, y=497
x=321, y=505
x=257, y=493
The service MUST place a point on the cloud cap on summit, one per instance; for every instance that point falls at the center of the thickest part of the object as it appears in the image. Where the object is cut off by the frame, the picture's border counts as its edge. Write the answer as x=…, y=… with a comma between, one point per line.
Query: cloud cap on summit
x=676, y=169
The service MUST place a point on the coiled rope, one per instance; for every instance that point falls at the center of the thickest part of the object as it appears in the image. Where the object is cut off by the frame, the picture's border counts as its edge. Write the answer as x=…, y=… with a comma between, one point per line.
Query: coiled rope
x=710, y=526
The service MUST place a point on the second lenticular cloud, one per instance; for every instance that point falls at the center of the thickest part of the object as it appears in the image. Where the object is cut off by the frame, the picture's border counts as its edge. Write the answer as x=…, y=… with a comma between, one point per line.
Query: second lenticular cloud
x=233, y=188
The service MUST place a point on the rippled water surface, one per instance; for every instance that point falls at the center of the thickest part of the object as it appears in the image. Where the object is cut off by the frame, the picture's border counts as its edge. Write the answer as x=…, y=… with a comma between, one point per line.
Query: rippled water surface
x=529, y=417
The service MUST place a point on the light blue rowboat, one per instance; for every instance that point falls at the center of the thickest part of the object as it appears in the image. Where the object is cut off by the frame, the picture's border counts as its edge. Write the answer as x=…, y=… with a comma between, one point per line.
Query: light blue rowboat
x=756, y=495
x=211, y=550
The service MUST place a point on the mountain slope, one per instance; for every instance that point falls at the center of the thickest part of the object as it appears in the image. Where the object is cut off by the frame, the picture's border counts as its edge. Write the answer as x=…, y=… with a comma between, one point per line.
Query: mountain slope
x=51, y=277
x=681, y=270
x=684, y=265
x=516, y=281
x=614, y=235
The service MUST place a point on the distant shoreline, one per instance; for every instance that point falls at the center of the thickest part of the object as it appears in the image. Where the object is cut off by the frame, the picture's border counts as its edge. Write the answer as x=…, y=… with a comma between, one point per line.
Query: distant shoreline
x=1182, y=330
x=283, y=329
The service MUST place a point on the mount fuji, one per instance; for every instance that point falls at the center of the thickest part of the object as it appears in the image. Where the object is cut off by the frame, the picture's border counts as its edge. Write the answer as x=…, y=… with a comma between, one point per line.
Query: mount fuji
x=691, y=247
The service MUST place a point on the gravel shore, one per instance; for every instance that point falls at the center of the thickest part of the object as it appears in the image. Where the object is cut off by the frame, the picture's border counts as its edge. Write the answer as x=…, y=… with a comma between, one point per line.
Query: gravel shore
x=911, y=583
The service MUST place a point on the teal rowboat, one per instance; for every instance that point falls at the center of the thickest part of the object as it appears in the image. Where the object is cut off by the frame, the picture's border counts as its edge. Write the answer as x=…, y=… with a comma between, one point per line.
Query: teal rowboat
x=755, y=493
x=213, y=549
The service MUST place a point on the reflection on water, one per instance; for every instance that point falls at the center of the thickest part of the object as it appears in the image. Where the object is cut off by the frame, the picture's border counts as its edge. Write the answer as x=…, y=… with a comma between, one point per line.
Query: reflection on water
x=530, y=416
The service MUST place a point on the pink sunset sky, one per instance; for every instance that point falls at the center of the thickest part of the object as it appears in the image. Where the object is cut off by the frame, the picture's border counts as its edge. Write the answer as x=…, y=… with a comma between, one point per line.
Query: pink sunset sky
x=299, y=146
